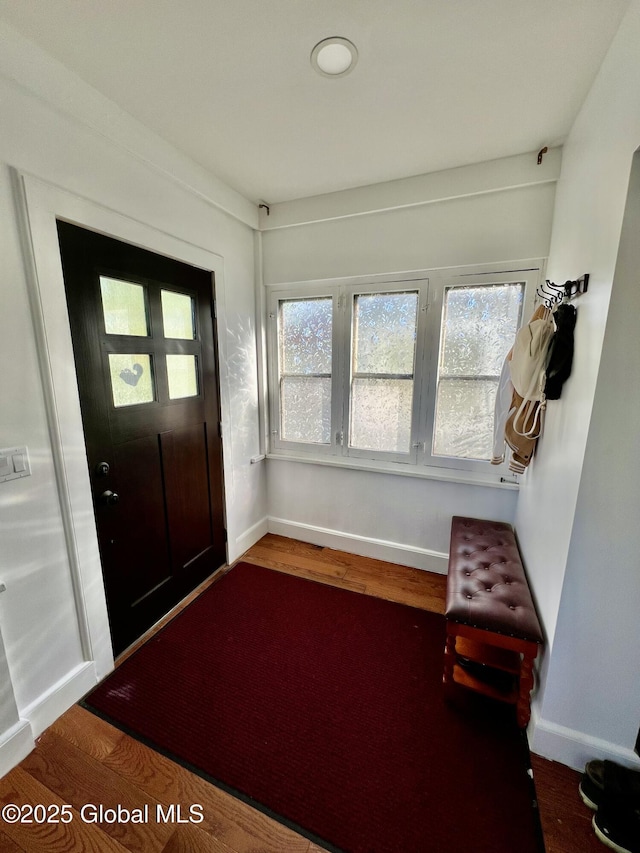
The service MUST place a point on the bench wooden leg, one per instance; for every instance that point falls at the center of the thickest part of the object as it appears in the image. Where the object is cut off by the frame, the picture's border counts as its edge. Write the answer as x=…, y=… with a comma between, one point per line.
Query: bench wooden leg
x=449, y=658
x=523, y=706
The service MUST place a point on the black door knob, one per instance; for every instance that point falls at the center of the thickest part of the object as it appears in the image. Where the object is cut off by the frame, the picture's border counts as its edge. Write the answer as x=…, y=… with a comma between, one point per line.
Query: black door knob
x=109, y=498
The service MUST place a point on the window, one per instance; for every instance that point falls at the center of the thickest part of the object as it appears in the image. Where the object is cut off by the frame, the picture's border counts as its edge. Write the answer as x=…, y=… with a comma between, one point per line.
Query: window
x=393, y=371
x=305, y=358
x=479, y=324
x=383, y=370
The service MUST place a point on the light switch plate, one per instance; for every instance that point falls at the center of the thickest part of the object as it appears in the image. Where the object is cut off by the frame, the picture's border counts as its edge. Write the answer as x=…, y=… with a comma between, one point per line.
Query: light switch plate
x=14, y=463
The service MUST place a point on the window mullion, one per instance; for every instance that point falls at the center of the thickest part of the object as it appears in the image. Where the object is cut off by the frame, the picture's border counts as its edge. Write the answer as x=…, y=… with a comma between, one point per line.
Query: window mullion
x=340, y=391
x=420, y=365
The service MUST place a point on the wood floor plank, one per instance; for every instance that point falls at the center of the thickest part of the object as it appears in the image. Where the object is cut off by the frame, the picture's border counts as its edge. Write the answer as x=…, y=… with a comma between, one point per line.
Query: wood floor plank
x=321, y=577
x=21, y=788
x=385, y=580
x=86, y=731
x=566, y=821
x=8, y=845
x=241, y=827
x=314, y=563
x=403, y=584
x=78, y=779
x=283, y=544
x=192, y=839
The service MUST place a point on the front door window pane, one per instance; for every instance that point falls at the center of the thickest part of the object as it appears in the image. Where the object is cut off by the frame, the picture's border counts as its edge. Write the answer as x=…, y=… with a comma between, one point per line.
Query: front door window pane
x=182, y=376
x=124, y=308
x=131, y=379
x=178, y=315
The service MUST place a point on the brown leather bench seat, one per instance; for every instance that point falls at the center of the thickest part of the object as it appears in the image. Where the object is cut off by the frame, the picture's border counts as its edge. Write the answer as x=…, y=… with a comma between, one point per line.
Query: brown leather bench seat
x=493, y=632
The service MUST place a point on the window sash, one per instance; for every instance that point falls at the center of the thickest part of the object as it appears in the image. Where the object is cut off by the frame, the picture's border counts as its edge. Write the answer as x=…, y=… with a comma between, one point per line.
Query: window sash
x=419, y=287
x=436, y=322
x=279, y=375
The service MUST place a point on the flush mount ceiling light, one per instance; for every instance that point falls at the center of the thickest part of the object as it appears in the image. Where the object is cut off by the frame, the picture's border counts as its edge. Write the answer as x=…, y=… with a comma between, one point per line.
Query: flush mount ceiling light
x=334, y=57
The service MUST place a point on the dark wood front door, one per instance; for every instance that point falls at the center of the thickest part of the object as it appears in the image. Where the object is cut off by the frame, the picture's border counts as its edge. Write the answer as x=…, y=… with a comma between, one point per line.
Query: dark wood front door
x=143, y=340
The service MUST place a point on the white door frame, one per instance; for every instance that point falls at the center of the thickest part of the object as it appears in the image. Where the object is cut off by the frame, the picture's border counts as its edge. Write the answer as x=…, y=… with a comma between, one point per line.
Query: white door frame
x=39, y=204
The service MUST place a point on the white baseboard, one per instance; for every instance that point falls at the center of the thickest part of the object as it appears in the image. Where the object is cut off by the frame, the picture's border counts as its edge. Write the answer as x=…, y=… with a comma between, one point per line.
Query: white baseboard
x=50, y=705
x=15, y=744
x=249, y=538
x=379, y=549
x=572, y=747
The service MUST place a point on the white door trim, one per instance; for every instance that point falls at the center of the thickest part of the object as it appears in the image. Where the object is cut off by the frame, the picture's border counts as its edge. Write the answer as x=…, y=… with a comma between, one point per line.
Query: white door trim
x=39, y=204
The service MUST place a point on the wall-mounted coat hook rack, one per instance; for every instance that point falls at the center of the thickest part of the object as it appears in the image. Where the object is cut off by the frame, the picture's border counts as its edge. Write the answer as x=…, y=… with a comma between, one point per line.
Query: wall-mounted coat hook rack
x=552, y=294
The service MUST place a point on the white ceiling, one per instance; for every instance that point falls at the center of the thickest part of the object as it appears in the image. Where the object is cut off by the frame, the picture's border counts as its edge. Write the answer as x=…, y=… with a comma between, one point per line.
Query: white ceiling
x=438, y=84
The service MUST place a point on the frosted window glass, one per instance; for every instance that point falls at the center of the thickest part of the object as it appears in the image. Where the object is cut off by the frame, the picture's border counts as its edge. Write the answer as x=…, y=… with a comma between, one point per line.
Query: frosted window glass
x=305, y=336
x=124, y=308
x=131, y=379
x=381, y=414
x=182, y=376
x=385, y=333
x=305, y=405
x=479, y=328
x=464, y=422
x=178, y=315
x=383, y=357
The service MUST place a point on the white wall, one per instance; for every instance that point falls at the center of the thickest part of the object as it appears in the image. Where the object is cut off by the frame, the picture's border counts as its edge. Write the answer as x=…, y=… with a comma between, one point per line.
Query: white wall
x=60, y=130
x=578, y=508
x=507, y=224
x=600, y=645
x=396, y=518
x=491, y=212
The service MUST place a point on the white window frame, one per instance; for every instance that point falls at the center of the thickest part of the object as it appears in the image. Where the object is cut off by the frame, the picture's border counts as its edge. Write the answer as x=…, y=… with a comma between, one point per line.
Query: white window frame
x=273, y=363
x=431, y=284
x=421, y=286
x=464, y=278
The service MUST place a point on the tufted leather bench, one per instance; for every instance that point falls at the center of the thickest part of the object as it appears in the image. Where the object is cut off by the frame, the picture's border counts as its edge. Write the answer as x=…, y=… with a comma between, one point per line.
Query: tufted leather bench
x=493, y=632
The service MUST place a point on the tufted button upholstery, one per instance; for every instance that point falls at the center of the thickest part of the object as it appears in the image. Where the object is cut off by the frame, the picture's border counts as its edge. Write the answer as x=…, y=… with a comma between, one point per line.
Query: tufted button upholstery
x=487, y=587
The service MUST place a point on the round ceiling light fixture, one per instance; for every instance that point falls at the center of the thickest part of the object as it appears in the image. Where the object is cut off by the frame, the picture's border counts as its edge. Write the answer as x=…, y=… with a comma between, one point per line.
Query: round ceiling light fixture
x=334, y=57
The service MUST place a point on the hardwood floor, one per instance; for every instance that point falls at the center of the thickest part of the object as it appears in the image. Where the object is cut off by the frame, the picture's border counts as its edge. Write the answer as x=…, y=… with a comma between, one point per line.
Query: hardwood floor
x=82, y=760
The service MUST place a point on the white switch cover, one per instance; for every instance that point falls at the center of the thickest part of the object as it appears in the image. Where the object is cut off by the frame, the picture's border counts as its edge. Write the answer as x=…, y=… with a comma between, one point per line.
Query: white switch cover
x=14, y=463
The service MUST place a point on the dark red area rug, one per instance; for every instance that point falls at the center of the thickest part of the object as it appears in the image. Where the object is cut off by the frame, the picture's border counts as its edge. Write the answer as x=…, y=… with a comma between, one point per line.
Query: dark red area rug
x=324, y=708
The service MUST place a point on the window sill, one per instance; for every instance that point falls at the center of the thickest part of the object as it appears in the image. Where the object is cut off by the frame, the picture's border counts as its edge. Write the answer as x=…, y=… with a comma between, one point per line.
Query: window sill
x=449, y=475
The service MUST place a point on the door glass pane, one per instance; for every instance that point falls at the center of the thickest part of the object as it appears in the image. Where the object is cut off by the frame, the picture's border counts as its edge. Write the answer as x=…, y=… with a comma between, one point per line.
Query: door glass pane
x=305, y=404
x=124, y=308
x=385, y=333
x=182, y=375
x=131, y=379
x=381, y=414
x=178, y=316
x=464, y=421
